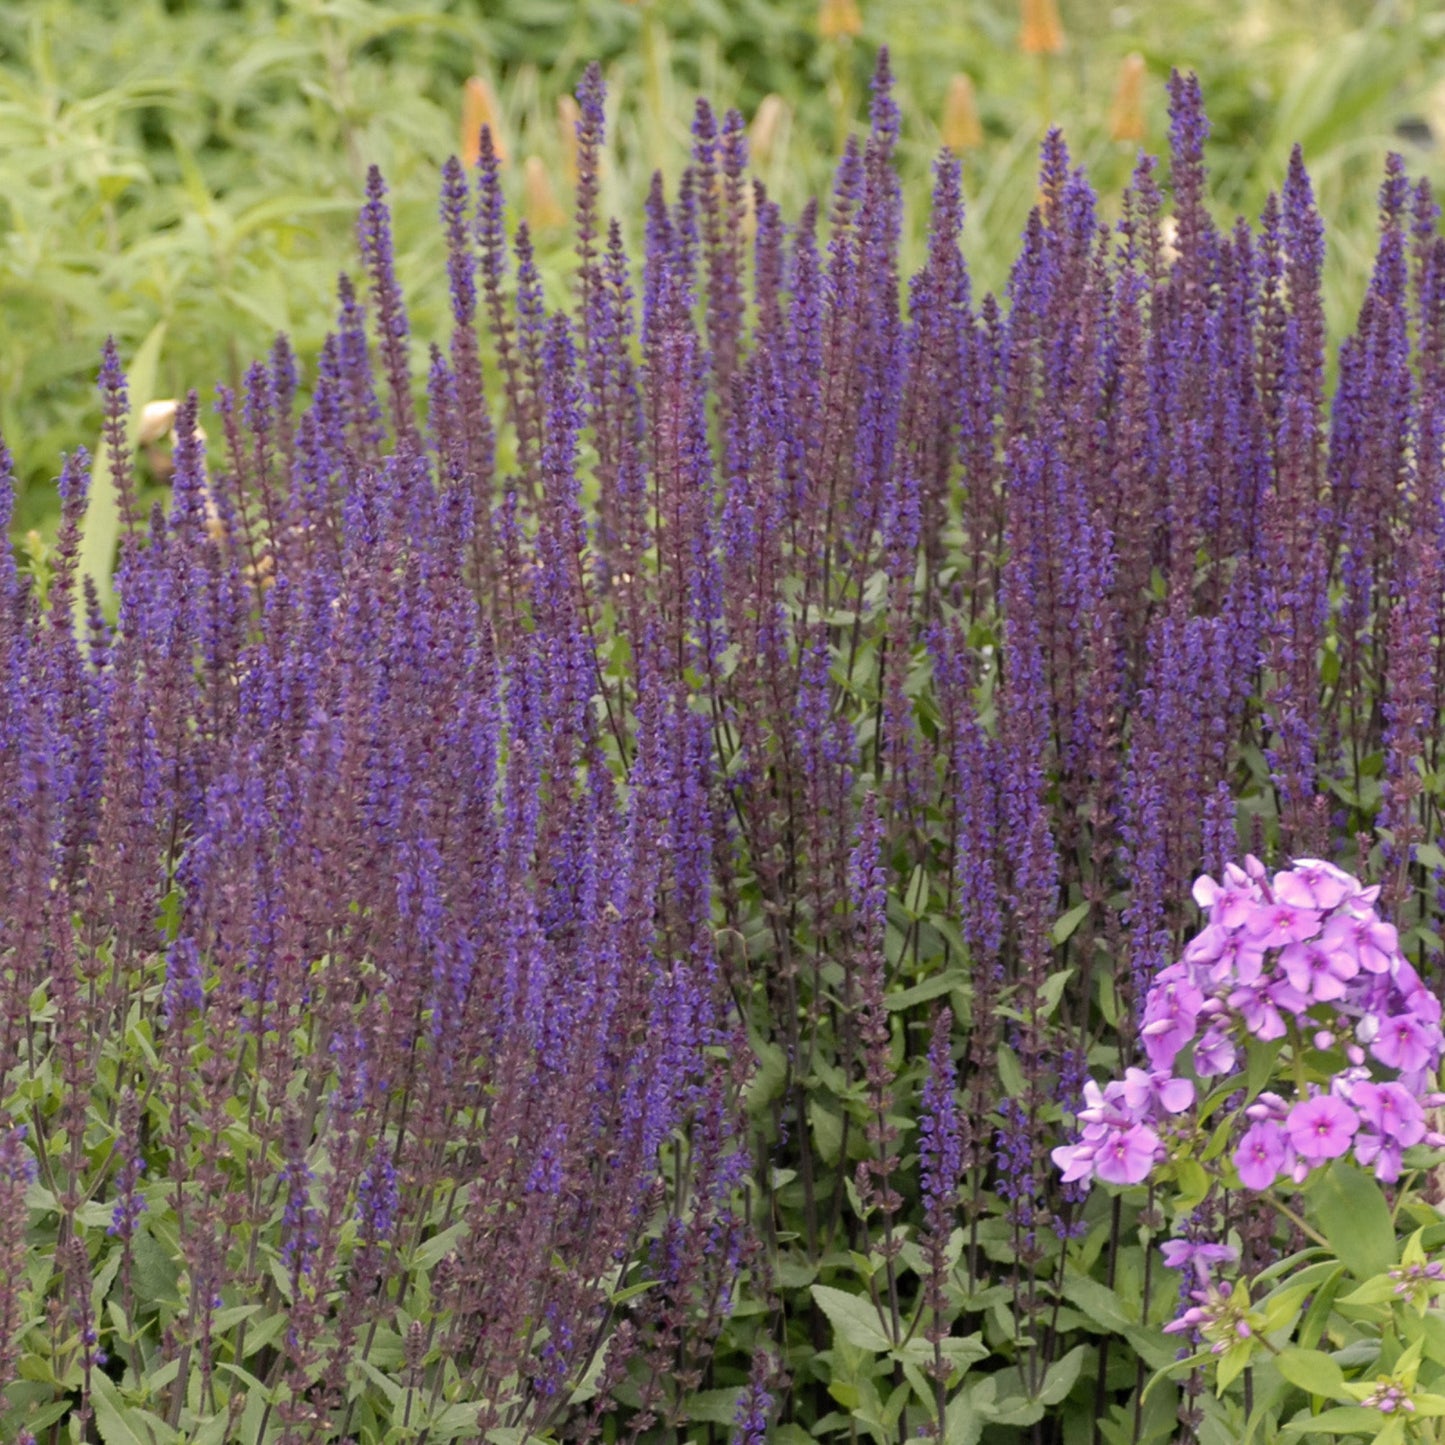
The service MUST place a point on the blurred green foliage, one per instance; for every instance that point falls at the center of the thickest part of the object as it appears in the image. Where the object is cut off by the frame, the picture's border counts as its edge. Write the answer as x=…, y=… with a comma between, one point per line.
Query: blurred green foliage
x=198, y=163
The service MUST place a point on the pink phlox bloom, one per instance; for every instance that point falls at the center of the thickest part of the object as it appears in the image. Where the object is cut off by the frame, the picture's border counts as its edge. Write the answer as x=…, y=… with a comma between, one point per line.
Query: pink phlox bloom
x=1076, y=1161
x=1262, y=1154
x=1390, y=1109
x=1423, y=1004
x=1229, y=955
x=1321, y=1128
x=1241, y=960
x=1169, y=1017
x=1127, y=1155
x=1206, y=945
x=1197, y=1255
x=1402, y=1043
x=1232, y=902
x=1286, y=996
x=1317, y=883
x=1214, y=1054
x=1195, y=1317
x=1256, y=1007
x=1383, y=1153
x=1145, y=1091
x=1373, y=942
x=1104, y=1109
x=1275, y=924
x=1317, y=970
x=1267, y=1105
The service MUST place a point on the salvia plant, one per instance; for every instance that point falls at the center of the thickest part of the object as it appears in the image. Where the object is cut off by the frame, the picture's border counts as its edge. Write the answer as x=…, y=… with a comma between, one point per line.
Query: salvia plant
x=593, y=906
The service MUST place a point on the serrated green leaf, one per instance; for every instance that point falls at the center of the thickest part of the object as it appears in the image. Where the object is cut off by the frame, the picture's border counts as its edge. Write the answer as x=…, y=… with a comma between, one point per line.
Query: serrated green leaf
x=122, y=1424
x=853, y=1318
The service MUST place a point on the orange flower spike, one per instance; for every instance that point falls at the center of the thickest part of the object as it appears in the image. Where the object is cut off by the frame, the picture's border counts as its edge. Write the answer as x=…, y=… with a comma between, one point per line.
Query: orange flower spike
x=1042, y=32
x=479, y=108
x=544, y=211
x=839, y=19
x=568, y=114
x=1126, y=114
x=960, y=129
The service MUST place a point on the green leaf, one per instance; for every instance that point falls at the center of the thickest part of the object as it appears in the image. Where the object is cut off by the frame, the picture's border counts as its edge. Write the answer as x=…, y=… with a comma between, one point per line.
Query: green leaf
x=122, y=1424
x=940, y=983
x=1317, y=1316
x=1373, y=1292
x=712, y=1407
x=1342, y=1420
x=915, y=900
x=1052, y=989
x=1010, y=1073
x=1313, y=1371
x=1351, y=1210
x=1067, y=925
x=853, y=1318
x=1059, y=1378
x=827, y=1130
x=769, y=1076
x=1232, y=1363
x=1261, y=1058
x=631, y=1291
x=963, y=1425
x=1098, y=1302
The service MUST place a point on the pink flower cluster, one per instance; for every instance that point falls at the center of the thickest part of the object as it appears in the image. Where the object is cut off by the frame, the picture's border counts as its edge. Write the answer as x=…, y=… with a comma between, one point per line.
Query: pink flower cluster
x=1303, y=955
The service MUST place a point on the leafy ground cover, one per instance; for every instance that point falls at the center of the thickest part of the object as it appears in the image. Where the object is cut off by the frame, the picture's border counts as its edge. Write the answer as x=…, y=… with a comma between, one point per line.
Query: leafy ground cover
x=187, y=172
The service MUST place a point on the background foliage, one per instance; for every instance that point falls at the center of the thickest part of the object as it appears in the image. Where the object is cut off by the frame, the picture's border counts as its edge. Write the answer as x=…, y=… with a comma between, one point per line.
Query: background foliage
x=196, y=166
